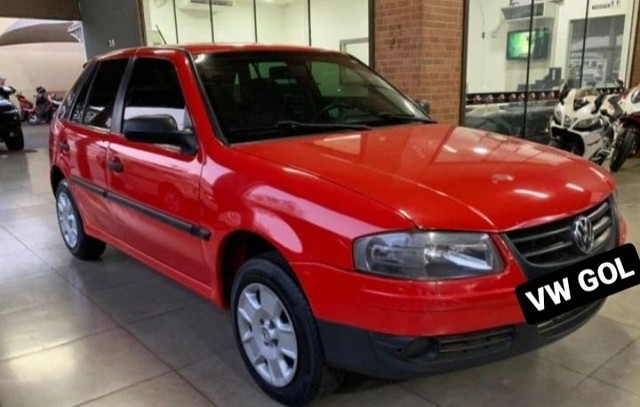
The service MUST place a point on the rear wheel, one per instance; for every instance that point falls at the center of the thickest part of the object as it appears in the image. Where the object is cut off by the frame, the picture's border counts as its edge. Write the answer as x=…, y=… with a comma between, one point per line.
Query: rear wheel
x=33, y=119
x=77, y=241
x=15, y=141
x=277, y=334
x=624, y=150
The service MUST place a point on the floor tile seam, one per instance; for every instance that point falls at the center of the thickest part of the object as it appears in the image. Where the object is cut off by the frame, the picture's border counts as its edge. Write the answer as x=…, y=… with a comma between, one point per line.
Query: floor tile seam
x=89, y=293
x=180, y=375
x=571, y=369
x=173, y=369
x=49, y=348
x=406, y=387
x=127, y=387
x=624, y=348
x=616, y=386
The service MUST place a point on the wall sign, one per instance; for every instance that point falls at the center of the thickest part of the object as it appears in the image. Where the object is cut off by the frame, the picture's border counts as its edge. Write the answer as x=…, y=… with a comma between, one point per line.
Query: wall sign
x=513, y=3
x=605, y=5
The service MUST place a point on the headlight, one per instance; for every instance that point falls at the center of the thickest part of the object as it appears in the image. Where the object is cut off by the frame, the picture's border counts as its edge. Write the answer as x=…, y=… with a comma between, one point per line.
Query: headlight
x=428, y=255
x=586, y=123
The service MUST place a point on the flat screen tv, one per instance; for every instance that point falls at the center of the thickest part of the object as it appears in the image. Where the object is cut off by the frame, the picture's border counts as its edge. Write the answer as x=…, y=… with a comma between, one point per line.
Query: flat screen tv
x=518, y=44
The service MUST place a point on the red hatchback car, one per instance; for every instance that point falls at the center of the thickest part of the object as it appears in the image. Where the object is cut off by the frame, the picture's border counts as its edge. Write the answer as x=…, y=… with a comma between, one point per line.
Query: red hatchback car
x=344, y=228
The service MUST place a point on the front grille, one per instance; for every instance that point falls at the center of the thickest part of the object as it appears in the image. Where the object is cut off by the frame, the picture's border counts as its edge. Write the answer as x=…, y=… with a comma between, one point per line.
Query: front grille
x=482, y=342
x=552, y=244
x=567, y=321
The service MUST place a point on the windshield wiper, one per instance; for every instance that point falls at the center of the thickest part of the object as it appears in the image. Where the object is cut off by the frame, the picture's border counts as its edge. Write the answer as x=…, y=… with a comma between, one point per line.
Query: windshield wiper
x=403, y=117
x=292, y=124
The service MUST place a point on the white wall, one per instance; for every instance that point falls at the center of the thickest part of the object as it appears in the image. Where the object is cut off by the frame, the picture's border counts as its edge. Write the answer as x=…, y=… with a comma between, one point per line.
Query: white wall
x=56, y=66
x=487, y=67
x=296, y=28
x=336, y=20
x=279, y=22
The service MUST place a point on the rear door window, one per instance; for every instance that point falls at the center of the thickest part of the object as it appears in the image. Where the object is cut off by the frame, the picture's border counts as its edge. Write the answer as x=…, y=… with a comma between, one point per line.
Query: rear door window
x=82, y=84
x=97, y=110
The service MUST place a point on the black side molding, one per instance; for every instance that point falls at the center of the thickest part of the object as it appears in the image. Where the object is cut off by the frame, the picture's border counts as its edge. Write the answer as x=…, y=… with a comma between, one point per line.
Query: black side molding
x=193, y=230
x=89, y=186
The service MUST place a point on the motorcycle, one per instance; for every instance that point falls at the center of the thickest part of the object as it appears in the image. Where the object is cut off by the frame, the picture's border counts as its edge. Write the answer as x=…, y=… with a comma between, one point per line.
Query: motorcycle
x=28, y=110
x=45, y=107
x=579, y=127
x=628, y=142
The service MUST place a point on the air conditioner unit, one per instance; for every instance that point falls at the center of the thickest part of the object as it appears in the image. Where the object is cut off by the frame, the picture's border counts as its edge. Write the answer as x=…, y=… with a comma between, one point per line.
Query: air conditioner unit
x=540, y=11
x=203, y=5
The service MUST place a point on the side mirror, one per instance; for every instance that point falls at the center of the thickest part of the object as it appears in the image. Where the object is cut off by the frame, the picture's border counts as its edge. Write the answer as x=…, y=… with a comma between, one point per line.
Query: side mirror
x=424, y=105
x=620, y=83
x=159, y=129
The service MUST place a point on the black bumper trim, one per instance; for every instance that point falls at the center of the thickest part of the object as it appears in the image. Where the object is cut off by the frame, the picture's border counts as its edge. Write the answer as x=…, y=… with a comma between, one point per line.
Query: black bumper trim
x=395, y=357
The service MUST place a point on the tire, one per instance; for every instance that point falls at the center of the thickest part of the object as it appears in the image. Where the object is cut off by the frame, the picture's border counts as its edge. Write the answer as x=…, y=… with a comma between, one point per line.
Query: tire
x=555, y=144
x=15, y=143
x=33, y=119
x=77, y=241
x=302, y=379
x=623, y=151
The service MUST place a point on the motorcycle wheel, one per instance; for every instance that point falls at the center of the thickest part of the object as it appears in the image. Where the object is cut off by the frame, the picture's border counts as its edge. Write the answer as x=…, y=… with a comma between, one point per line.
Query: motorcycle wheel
x=623, y=151
x=33, y=120
x=556, y=144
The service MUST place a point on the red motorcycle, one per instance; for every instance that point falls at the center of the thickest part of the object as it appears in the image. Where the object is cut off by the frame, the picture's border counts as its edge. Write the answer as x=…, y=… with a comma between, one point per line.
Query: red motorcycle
x=629, y=137
x=27, y=110
x=45, y=107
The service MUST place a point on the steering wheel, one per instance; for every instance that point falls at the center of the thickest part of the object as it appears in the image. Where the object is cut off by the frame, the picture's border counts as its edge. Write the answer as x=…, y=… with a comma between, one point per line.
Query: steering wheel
x=330, y=107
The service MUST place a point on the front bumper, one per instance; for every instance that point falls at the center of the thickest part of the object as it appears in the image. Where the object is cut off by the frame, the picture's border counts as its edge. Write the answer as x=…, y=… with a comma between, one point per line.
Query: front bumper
x=403, y=357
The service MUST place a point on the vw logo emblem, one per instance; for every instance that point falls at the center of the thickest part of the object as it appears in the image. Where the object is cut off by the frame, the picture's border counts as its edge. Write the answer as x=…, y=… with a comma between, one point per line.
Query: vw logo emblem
x=583, y=235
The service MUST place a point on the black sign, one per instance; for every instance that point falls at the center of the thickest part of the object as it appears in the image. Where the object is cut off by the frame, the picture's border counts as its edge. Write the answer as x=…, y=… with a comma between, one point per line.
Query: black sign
x=579, y=284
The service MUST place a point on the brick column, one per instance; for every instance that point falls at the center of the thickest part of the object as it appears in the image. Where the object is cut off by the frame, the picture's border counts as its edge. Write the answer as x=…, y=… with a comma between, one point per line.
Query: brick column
x=635, y=65
x=419, y=48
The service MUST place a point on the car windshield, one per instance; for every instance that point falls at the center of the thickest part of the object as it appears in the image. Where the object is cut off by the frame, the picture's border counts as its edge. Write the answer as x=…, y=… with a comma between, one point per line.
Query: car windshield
x=266, y=95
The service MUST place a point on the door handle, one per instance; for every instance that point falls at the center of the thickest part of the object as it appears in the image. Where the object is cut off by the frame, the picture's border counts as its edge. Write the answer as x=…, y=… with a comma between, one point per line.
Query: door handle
x=115, y=165
x=64, y=146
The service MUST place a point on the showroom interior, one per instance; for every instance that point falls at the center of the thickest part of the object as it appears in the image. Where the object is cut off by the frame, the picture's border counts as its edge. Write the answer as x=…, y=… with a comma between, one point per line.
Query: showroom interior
x=114, y=332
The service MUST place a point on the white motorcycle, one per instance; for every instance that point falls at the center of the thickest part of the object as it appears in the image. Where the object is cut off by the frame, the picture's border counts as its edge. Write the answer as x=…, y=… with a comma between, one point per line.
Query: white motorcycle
x=628, y=137
x=578, y=125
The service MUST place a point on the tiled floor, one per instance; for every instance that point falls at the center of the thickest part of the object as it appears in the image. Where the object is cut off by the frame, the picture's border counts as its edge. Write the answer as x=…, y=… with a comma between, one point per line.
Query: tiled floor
x=115, y=333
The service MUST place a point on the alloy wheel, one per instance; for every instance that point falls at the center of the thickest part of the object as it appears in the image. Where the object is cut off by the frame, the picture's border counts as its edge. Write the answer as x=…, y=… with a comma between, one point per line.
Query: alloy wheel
x=67, y=220
x=267, y=334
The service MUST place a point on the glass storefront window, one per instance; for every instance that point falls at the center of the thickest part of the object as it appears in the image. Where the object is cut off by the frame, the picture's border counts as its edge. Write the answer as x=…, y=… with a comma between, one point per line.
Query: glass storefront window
x=234, y=22
x=341, y=25
x=194, y=20
x=160, y=22
x=333, y=24
x=519, y=53
x=281, y=22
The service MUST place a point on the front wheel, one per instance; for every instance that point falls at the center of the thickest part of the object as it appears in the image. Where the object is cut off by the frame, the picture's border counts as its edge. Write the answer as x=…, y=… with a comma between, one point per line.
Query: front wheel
x=77, y=241
x=277, y=334
x=15, y=141
x=624, y=150
x=33, y=119
x=555, y=144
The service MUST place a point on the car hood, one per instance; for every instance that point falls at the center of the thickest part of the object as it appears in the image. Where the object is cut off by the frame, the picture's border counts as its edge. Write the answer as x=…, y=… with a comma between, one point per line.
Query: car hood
x=445, y=177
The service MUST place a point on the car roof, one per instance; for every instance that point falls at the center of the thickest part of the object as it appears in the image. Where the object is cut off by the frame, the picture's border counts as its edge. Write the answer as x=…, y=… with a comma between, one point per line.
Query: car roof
x=212, y=48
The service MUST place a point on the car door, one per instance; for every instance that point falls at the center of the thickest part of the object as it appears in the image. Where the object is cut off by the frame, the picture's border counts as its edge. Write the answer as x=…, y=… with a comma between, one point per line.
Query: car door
x=154, y=187
x=84, y=140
